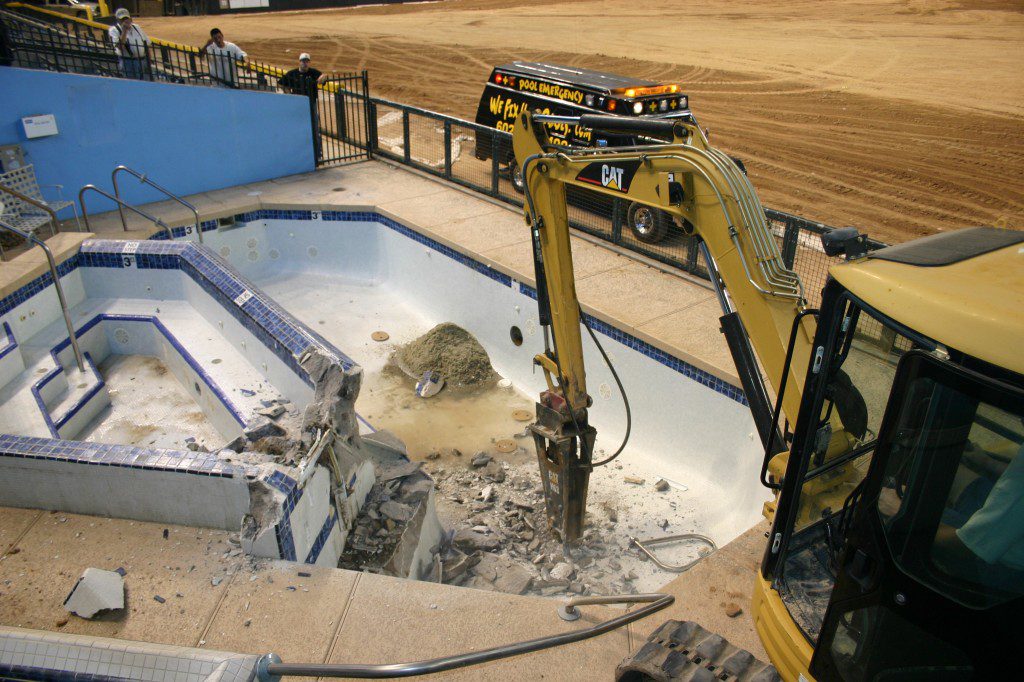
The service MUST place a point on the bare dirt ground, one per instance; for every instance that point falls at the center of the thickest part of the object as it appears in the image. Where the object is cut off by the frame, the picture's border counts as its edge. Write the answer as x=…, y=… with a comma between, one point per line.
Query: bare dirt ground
x=903, y=118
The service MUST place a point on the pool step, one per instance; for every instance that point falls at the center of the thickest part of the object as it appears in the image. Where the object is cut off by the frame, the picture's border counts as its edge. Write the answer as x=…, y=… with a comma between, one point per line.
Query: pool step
x=11, y=361
x=83, y=399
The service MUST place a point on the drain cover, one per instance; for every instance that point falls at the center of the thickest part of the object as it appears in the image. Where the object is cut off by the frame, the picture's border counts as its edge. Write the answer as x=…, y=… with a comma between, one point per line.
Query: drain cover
x=380, y=336
x=275, y=254
x=313, y=253
x=506, y=445
x=522, y=415
x=225, y=251
x=121, y=335
x=254, y=256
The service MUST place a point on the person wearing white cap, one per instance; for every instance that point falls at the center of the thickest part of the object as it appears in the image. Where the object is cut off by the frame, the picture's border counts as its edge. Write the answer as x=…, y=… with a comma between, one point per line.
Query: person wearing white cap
x=131, y=45
x=306, y=80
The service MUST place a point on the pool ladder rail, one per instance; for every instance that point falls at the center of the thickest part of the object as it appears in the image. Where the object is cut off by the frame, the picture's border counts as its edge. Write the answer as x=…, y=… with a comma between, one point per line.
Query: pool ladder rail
x=32, y=239
x=144, y=179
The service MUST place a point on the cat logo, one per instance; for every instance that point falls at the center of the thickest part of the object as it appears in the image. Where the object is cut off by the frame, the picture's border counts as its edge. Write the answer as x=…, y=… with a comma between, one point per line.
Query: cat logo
x=613, y=176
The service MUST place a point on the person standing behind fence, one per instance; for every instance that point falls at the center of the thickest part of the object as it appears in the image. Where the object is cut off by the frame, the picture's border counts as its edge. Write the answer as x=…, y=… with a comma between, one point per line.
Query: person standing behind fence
x=306, y=80
x=131, y=45
x=223, y=59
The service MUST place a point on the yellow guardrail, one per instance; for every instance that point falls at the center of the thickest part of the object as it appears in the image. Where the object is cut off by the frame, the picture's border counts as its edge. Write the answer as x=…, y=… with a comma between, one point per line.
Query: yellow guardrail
x=249, y=66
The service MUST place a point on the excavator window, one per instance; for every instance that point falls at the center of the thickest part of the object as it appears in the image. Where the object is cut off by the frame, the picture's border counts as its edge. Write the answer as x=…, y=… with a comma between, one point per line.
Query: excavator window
x=859, y=374
x=931, y=579
x=969, y=454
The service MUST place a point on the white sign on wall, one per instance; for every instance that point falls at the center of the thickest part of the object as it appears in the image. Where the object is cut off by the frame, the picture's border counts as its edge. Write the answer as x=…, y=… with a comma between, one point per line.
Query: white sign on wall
x=39, y=126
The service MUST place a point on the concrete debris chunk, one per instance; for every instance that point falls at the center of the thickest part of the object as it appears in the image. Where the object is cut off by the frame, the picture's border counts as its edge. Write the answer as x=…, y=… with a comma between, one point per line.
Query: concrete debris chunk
x=260, y=428
x=398, y=471
x=97, y=590
x=562, y=571
x=274, y=411
x=396, y=511
x=480, y=459
x=661, y=486
x=487, y=494
x=469, y=540
x=732, y=609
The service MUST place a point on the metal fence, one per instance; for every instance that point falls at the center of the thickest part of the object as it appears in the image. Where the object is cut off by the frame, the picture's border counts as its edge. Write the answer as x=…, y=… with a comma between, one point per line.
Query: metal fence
x=475, y=156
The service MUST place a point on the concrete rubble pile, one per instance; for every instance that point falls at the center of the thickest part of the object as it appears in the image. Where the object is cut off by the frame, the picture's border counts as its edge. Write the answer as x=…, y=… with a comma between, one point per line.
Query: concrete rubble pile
x=503, y=543
x=361, y=468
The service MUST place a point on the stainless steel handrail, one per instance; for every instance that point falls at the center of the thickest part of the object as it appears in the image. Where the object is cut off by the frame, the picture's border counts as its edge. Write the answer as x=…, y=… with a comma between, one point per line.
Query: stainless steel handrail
x=271, y=667
x=37, y=204
x=142, y=178
x=119, y=202
x=28, y=236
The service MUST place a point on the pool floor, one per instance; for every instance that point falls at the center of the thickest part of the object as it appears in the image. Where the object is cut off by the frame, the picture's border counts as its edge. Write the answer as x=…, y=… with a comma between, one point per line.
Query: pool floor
x=148, y=407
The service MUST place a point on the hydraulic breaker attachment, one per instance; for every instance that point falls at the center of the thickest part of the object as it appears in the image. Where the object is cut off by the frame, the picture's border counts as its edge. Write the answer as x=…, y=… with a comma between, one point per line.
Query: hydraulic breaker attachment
x=564, y=444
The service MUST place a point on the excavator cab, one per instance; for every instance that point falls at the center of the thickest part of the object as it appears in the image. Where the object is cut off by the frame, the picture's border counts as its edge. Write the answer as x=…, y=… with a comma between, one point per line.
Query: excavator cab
x=898, y=543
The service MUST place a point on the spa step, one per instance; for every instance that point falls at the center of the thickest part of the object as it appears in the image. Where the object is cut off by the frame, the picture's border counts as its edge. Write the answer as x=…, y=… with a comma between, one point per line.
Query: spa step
x=11, y=361
x=84, y=398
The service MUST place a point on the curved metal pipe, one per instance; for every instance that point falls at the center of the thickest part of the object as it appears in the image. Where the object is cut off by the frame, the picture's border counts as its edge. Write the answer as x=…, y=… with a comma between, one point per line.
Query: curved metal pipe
x=270, y=669
x=142, y=178
x=31, y=238
x=119, y=202
x=642, y=546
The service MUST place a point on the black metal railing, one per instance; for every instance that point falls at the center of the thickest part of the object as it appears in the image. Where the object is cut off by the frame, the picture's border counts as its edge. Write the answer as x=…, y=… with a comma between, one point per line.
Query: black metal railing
x=477, y=157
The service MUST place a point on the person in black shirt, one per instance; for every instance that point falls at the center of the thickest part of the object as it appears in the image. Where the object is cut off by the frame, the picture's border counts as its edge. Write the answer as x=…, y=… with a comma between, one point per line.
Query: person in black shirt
x=306, y=80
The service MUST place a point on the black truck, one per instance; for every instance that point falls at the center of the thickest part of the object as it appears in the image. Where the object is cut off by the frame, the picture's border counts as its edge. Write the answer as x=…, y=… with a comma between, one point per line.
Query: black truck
x=571, y=91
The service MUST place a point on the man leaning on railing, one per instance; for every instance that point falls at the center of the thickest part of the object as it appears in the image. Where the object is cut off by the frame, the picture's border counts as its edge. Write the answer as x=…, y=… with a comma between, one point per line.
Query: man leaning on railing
x=131, y=45
x=223, y=59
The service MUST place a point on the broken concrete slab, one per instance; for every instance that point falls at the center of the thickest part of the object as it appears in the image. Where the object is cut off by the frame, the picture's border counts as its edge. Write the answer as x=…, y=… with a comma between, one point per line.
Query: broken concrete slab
x=396, y=511
x=334, y=397
x=469, y=540
x=97, y=590
x=260, y=428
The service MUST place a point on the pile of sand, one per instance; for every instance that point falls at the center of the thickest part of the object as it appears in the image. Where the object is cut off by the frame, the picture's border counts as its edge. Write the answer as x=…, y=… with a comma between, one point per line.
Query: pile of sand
x=449, y=350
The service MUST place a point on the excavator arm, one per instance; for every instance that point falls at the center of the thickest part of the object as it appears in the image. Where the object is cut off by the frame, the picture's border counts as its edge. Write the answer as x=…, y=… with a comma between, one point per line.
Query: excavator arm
x=698, y=186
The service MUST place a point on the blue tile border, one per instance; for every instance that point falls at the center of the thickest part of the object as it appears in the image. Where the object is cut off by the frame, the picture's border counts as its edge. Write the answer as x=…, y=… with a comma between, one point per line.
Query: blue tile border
x=276, y=328
x=697, y=374
x=113, y=455
x=9, y=342
x=321, y=538
x=283, y=530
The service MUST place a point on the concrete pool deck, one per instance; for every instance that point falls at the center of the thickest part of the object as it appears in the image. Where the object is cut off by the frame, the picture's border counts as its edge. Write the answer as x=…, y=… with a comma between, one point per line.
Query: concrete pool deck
x=329, y=615
x=672, y=311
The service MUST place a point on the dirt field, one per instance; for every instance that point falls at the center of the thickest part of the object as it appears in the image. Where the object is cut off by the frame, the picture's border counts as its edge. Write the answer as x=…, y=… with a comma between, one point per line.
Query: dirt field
x=902, y=118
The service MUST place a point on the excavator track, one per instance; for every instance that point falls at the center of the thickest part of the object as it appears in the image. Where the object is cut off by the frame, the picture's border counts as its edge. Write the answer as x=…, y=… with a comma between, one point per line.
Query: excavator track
x=683, y=650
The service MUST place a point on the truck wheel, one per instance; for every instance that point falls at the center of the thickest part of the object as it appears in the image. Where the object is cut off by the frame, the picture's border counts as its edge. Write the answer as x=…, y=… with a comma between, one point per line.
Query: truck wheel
x=515, y=175
x=647, y=224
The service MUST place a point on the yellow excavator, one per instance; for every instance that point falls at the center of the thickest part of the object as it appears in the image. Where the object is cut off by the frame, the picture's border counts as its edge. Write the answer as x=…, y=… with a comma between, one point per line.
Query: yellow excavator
x=894, y=441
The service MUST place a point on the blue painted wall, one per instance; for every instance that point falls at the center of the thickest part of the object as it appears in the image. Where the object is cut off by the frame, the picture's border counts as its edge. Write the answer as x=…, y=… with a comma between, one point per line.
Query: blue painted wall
x=187, y=138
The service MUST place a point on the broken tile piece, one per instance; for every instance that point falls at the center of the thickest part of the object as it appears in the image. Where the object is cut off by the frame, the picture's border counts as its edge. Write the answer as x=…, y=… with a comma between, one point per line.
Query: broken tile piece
x=97, y=590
